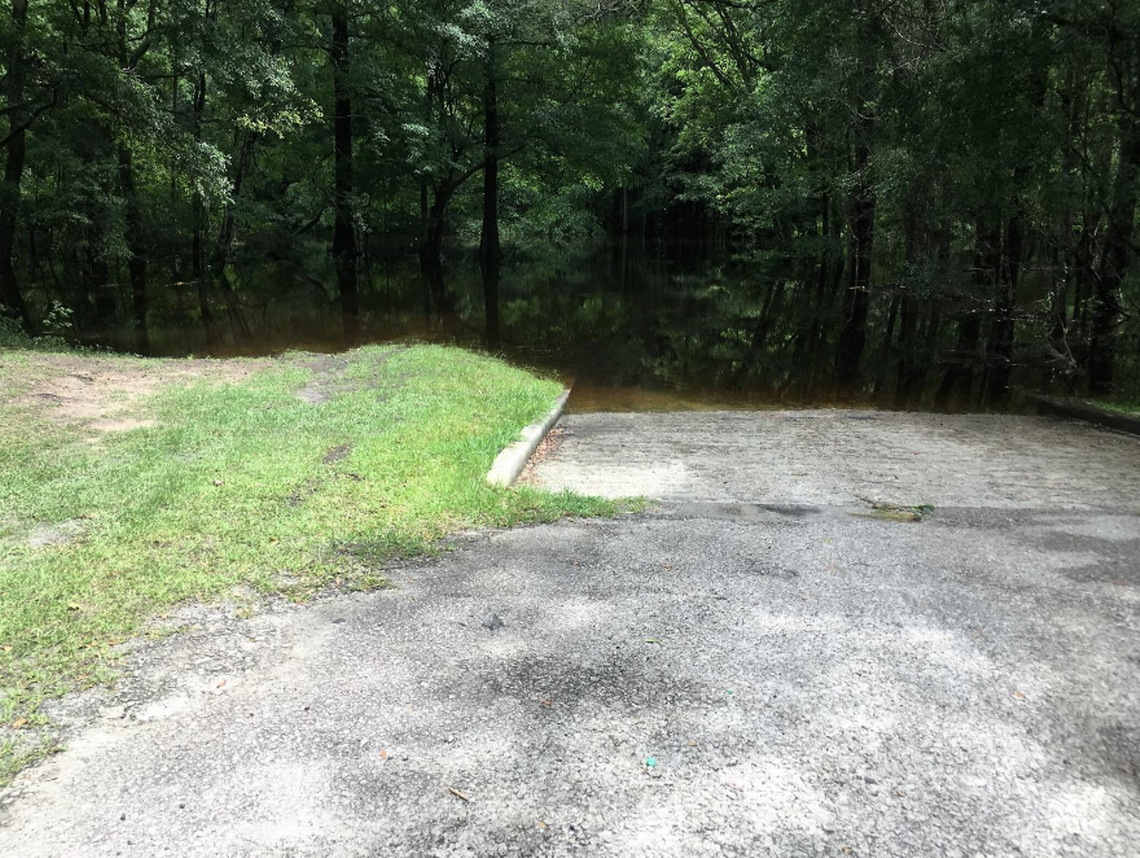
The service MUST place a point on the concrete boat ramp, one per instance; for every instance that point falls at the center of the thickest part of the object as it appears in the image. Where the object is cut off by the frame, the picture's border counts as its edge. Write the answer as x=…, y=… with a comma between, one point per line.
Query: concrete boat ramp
x=760, y=665
x=845, y=458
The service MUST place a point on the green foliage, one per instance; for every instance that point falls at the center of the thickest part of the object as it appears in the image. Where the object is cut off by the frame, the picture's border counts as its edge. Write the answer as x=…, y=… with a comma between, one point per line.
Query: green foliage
x=12, y=333
x=993, y=146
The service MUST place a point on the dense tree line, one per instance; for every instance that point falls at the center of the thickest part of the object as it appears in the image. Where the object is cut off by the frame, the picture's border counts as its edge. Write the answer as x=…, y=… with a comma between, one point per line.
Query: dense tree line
x=964, y=173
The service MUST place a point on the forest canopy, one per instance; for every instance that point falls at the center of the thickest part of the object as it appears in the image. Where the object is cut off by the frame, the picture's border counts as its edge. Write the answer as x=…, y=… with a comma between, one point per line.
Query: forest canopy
x=952, y=185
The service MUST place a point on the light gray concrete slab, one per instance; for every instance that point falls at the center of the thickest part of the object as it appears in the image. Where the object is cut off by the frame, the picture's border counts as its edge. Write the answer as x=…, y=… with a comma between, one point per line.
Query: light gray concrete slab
x=708, y=680
x=840, y=457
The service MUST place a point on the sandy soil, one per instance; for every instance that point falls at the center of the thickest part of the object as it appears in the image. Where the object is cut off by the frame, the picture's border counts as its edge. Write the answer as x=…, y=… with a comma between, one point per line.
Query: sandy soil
x=99, y=392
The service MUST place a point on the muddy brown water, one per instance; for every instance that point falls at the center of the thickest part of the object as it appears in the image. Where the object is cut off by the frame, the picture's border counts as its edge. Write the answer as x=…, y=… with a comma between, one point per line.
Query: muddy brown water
x=634, y=333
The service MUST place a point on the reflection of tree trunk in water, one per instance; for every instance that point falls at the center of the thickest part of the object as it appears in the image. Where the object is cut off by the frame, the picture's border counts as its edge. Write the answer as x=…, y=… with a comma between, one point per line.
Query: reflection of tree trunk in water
x=344, y=235
x=432, y=258
x=74, y=270
x=136, y=264
x=958, y=382
x=100, y=274
x=490, y=250
x=928, y=341
x=768, y=314
x=908, y=326
x=10, y=295
x=928, y=346
x=491, y=271
x=226, y=238
x=999, y=362
x=436, y=307
x=885, y=348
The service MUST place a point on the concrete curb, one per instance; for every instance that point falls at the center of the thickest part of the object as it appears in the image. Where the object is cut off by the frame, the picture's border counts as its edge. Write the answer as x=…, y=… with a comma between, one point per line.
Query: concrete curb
x=1089, y=413
x=510, y=463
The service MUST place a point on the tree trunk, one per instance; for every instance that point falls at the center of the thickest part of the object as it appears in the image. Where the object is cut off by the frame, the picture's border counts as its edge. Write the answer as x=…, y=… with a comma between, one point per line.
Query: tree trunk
x=11, y=300
x=915, y=247
x=226, y=238
x=432, y=258
x=853, y=335
x=888, y=338
x=1000, y=354
x=198, y=214
x=137, y=263
x=1117, y=254
x=823, y=274
x=490, y=249
x=344, y=235
x=958, y=382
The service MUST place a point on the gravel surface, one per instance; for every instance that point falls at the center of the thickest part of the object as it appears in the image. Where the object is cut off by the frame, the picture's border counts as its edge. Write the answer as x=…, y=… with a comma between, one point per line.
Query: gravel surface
x=774, y=678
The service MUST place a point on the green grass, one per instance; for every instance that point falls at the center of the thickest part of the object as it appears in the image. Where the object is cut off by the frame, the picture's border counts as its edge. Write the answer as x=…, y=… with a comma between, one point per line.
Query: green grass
x=1131, y=408
x=231, y=488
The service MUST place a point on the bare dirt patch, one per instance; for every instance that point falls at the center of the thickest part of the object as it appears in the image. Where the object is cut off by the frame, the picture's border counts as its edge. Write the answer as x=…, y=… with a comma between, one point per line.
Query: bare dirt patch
x=99, y=392
x=328, y=377
x=47, y=535
x=337, y=454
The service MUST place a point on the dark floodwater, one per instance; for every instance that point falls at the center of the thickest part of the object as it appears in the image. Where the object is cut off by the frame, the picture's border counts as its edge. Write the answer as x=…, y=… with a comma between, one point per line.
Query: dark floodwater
x=634, y=331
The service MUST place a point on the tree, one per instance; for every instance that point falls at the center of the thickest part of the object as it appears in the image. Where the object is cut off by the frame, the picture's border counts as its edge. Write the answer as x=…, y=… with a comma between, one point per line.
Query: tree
x=20, y=116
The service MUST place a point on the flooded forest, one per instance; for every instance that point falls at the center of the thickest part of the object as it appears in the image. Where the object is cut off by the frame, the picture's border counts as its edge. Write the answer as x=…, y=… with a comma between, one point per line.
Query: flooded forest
x=904, y=203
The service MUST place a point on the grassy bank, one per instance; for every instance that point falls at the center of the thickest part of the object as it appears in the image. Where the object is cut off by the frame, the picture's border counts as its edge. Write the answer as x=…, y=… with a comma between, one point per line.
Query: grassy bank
x=1129, y=407
x=127, y=486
